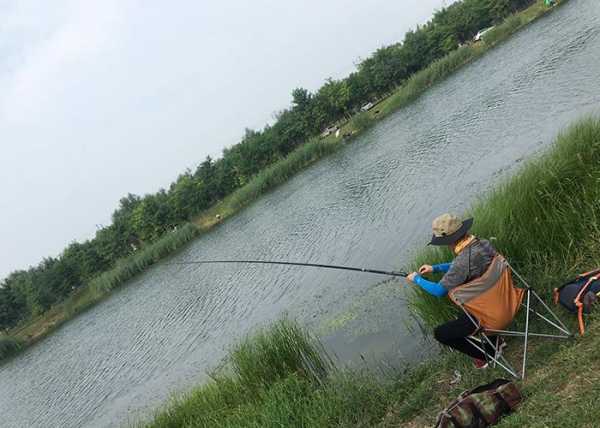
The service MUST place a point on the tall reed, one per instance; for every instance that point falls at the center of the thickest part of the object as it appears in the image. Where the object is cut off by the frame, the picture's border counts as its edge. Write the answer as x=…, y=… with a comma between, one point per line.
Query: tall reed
x=127, y=268
x=276, y=362
x=274, y=354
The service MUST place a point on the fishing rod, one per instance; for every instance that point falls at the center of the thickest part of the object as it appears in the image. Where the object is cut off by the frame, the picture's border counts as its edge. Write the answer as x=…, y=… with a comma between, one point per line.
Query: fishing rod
x=268, y=262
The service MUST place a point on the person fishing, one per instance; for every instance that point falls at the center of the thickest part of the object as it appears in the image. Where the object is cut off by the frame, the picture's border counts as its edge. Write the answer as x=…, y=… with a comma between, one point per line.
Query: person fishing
x=473, y=256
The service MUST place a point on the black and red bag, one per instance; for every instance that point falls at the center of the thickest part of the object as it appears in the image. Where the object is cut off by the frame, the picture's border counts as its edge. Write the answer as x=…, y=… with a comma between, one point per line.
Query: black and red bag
x=579, y=295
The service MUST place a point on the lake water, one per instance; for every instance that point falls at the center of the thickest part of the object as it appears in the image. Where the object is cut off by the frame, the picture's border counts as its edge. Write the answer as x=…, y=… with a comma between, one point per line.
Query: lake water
x=369, y=205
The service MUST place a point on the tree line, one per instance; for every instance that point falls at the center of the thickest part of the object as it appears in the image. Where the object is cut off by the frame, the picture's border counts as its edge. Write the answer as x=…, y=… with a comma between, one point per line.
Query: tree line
x=141, y=220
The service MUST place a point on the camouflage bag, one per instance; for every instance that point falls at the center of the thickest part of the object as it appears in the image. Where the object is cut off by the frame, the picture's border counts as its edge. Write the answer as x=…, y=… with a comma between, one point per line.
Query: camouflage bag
x=482, y=406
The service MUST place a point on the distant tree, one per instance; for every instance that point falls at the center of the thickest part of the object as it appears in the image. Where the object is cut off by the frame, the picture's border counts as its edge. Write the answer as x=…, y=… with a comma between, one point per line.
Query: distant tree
x=10, y=309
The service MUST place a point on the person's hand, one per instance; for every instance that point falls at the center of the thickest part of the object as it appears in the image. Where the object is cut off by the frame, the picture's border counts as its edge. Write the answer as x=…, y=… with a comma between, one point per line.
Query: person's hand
x=411, y=277
x=425, y=269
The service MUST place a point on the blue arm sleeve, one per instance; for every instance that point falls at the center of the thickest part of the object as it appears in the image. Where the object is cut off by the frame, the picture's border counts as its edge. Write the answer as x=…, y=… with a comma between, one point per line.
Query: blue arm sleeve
x=441, y=267
x=433, y=288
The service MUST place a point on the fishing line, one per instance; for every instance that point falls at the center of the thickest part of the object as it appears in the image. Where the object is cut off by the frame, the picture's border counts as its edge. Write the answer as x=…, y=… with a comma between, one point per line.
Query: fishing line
x=269, y=262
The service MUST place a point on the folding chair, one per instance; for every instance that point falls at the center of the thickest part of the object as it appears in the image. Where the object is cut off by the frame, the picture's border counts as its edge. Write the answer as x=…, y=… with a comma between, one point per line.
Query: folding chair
x=492, y=302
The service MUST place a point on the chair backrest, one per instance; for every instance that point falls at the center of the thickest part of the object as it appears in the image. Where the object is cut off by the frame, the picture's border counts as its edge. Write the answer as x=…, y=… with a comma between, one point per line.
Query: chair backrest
x=492, y=298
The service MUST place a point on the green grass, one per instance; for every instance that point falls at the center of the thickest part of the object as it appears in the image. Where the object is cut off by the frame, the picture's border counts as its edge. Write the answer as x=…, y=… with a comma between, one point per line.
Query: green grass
x=501, y=32
x=268, y=179
x=279, y=377
x=139, y=261
x=544, y=218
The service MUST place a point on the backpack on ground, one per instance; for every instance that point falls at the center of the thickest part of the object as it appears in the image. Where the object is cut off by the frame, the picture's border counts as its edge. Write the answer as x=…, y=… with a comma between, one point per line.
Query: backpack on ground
x=482, y=406
x=579, y=295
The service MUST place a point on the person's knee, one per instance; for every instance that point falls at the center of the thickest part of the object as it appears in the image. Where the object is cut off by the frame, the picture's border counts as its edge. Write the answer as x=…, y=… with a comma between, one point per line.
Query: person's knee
x=438, y=334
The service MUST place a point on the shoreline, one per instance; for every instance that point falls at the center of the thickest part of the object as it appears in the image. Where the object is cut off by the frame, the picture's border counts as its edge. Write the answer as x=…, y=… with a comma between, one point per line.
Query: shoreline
x=32, y=331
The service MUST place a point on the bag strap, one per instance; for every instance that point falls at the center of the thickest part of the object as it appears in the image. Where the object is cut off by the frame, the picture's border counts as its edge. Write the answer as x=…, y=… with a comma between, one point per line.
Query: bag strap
x=579, y=303
x=590, y=273
x=557, y=290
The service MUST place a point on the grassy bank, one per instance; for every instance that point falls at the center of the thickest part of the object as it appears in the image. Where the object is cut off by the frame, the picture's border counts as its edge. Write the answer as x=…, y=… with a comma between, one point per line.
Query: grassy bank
x=276, y=174
x=544, y=219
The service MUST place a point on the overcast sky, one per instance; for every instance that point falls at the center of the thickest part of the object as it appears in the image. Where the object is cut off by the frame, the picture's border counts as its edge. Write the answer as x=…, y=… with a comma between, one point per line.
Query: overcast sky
x=102, y=98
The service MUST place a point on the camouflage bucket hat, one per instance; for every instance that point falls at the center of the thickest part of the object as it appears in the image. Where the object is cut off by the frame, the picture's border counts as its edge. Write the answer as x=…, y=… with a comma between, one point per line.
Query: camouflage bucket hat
x=448, y=228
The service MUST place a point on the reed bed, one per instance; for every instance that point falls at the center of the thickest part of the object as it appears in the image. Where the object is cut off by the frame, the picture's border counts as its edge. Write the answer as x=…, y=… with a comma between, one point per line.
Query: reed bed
x=9, y=346
x=136, y=263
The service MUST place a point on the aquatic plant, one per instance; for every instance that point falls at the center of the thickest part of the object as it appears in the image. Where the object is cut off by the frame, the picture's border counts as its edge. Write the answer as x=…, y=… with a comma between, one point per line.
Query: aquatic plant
x=127, y=268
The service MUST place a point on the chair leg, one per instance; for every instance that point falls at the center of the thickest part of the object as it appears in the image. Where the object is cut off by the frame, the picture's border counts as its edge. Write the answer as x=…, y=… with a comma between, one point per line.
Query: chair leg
x=499, y=360
x=562, y=327
x=526, y=334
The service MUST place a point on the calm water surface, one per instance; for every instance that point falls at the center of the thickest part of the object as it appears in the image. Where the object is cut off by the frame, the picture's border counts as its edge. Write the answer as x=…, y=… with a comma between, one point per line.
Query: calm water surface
x=368, y=205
